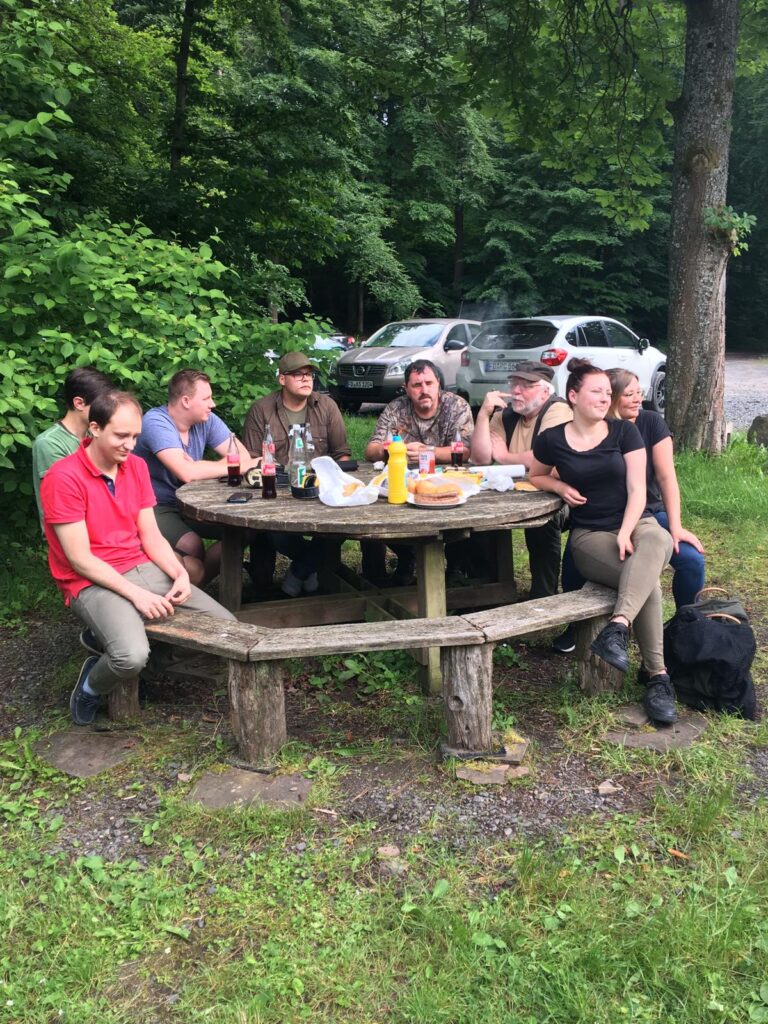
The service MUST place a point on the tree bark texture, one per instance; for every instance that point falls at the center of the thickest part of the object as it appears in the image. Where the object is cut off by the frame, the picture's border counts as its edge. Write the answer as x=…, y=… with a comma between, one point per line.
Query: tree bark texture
x=123, y=701
x=179, y=129
x=468, y=697
x=698, y=255
x=257, y=708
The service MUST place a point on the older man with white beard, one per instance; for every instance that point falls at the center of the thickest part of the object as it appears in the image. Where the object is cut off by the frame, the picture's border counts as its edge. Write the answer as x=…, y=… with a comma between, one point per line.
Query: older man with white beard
x=506, y=427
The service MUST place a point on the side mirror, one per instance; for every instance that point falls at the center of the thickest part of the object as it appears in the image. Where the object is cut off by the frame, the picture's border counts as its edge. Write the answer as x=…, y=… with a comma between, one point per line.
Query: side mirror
x=642, y=345
x=454, y=345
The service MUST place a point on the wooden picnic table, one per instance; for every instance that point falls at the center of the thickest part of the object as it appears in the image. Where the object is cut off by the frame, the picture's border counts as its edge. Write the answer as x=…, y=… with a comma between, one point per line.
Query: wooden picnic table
x=490, y=513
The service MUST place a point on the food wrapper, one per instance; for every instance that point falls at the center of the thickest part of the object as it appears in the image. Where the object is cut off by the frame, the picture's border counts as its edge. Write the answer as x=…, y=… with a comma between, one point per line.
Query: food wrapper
x=502, y=478
x=339, y=489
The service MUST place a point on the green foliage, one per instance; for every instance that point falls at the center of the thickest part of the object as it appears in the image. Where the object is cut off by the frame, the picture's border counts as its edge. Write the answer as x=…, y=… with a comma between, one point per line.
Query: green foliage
x=732, y=226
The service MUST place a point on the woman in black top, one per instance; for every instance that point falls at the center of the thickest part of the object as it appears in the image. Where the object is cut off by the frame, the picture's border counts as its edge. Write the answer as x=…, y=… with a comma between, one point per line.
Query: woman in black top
x=662, y=492
x=601, y=477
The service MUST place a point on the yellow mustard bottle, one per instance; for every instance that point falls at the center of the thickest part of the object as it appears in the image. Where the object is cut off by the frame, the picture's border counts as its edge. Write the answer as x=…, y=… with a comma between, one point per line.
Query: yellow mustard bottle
x=397, y=467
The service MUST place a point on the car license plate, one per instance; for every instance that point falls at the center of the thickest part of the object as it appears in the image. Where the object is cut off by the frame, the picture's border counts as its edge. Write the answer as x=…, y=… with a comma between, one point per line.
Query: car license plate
x=358, y=383
x=500, y=366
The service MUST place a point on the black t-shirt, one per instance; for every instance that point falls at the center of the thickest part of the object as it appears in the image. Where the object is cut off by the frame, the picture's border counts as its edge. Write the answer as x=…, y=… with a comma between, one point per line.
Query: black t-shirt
x=652, y=429
x=600, y=474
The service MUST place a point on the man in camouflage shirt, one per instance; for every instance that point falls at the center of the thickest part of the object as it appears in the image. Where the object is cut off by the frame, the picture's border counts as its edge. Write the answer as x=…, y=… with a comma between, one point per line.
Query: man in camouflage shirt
x=425, y=416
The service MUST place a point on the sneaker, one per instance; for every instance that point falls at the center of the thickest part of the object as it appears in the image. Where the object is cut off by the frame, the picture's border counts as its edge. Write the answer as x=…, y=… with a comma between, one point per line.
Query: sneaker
x=291, y=585
x=90, y=641
x=659, y=700
x=311, y=584
x=611, y=644
x=566, y=642
x=84, y=705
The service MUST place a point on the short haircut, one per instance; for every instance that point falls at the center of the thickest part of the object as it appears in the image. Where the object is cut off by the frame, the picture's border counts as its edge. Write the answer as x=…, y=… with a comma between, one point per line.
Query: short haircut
x=419, y=366
x=578, y=371
x=105, y=405
x=87, y=383
x=184, y=382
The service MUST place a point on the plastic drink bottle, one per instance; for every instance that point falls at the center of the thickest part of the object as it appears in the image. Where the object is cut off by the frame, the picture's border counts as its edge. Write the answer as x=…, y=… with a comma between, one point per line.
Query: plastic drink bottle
x=234, y=476
x=268, y=477
x=457, y=449
x=396, y=470
x=268, y=444
x=297, y=467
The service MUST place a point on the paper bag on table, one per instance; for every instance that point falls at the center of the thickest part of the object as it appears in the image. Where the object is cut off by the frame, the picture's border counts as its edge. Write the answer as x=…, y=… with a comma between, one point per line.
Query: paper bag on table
x=338, y=488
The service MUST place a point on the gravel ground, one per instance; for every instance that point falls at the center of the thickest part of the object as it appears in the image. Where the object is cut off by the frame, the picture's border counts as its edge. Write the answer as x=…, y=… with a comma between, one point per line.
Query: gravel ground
x=746, y=389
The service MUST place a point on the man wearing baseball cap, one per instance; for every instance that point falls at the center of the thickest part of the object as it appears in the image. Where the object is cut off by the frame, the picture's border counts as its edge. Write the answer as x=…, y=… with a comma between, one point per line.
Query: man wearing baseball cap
x=296, y=403
x=506, y=427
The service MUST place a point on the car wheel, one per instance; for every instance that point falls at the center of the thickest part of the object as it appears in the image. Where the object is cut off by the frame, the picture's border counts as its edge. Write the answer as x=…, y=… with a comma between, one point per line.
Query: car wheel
x=658, y=399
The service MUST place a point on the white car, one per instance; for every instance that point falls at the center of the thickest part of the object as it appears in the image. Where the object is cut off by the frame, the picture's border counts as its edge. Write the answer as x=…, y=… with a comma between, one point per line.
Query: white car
x=501, y=344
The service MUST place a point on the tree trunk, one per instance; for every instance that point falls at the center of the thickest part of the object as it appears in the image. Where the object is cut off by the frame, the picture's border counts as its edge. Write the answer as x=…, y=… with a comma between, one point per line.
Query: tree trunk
x=179, y=130
x=698, y=254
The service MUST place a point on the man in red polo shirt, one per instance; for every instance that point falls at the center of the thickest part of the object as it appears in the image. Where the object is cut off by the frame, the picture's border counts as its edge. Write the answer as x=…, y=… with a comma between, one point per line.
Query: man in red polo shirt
x=106, y=553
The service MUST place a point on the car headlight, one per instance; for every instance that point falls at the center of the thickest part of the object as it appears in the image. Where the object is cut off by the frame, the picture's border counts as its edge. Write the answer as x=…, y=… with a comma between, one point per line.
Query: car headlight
x=398, y=369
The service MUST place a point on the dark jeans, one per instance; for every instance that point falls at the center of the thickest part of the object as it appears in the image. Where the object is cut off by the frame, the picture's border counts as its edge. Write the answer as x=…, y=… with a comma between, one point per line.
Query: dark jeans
x=687, y=567
x=305, y=554
x=544, y=543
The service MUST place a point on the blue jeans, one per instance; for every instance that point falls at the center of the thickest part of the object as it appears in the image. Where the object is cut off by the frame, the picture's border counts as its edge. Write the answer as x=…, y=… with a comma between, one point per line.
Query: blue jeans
x=687, y=567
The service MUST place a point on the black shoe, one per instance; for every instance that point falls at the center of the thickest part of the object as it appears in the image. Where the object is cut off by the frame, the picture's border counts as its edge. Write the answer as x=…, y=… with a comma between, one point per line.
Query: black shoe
x=643, y=676
x=659, y=700
x=611, y=643
x=566, y=642
x=84, y=705
x=90, y=641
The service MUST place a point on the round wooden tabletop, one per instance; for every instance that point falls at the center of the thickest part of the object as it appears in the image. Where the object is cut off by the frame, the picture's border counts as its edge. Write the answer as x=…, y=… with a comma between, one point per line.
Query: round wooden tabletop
x=206, y=501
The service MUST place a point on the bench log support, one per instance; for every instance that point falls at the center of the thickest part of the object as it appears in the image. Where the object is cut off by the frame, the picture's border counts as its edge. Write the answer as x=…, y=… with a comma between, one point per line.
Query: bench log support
x=257, y=708
x=468, y=698
x=592, y=673
x=123, y=701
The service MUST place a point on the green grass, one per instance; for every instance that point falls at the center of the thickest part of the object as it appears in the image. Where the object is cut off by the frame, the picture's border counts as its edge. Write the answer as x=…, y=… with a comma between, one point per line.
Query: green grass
x=239, y=917
x=359, y=432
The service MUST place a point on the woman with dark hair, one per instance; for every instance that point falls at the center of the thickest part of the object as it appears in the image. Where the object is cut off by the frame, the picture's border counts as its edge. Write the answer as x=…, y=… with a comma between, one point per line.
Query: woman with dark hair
x=662, y=498
x=601, y=477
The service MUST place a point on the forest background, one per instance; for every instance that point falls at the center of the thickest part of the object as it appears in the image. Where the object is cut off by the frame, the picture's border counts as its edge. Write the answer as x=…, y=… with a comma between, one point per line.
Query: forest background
x=194, y=180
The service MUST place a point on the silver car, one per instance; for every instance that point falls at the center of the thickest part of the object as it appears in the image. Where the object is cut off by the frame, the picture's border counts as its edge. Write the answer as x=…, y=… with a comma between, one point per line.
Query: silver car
x=553, y=340
x=374, y=372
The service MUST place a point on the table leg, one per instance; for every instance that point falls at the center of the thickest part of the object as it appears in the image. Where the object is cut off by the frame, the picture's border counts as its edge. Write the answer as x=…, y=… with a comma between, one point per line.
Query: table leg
x=430, y=588
x=231, y=577
x=501, y=544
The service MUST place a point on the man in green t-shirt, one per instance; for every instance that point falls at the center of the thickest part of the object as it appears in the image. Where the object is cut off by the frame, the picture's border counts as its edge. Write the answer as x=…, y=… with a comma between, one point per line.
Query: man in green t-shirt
x=81, y=386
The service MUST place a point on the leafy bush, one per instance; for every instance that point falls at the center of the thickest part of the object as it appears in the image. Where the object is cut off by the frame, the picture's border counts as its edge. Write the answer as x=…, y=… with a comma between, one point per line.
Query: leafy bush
x=79, y=291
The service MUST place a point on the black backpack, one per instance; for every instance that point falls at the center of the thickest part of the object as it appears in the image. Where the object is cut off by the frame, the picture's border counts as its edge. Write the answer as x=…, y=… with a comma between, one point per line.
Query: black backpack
x=709, y=647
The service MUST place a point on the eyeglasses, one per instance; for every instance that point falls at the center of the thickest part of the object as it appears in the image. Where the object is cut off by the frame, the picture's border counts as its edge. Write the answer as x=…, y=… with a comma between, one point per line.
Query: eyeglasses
x=525, y=385
x=301, y=374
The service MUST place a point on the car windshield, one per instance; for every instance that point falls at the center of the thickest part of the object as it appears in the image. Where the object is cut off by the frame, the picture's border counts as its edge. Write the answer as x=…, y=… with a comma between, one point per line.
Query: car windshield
x=405, y=336
x=515, y=334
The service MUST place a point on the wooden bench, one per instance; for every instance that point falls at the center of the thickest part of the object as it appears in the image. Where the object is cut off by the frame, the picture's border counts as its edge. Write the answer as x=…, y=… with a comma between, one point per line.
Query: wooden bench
x=257, y=660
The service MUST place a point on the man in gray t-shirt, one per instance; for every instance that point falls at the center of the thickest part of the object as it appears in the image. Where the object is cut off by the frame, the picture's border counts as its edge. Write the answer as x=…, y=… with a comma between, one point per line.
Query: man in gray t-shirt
x=81, y=386
x=173, y=441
